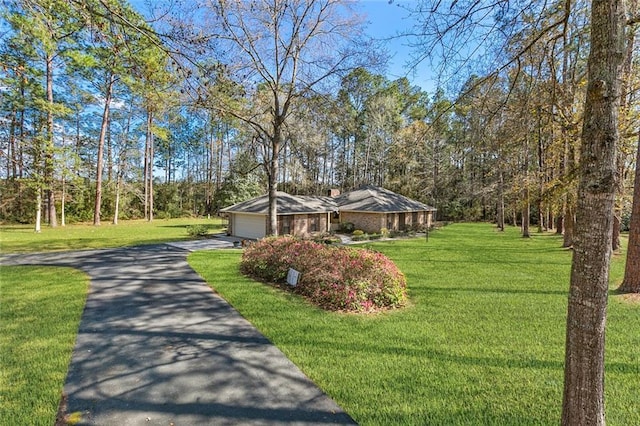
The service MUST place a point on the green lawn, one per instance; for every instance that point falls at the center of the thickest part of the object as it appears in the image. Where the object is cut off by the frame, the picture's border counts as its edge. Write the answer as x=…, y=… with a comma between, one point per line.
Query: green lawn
x=22, y=238
x=39, y=316
x=482, y=341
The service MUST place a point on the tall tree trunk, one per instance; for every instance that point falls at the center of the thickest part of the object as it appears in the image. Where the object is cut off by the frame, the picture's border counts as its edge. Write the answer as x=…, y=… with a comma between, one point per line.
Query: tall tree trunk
x=526, y=210
x=63, y=217
x=223, y=137
x=38, y=210
x=116, y=208
x=122, y=161
x=615, y=231
x=583, y=399
x=21, y=147
x=541, y=166
x=108, y=143
x=210, y=165
x=48, y=154
x=145, y=179
x=501, y=202
x=272, y=219
x=151, y=156
x=145, y=192
x=631, y=283
x=569, y=226
x=11, y=155
x=103, y=134
x=566, y=106
x=626, y=97
x=560, y=220
x=569, y=213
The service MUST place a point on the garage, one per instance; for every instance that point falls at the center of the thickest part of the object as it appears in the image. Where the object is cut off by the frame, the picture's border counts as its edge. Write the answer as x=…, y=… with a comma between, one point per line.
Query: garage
x=249, y=225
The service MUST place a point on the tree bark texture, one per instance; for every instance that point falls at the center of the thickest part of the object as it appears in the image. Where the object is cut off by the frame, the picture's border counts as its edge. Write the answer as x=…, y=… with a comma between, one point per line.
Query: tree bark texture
x=583, y=400
x=272, y=217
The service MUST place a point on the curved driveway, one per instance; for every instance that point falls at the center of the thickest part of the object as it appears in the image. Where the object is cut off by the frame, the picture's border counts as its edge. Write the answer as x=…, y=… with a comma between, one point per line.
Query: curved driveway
x=156, y=346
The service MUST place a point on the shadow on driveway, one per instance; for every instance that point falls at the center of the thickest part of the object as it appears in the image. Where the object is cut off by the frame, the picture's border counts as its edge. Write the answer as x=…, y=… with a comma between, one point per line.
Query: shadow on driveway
x=157, y=346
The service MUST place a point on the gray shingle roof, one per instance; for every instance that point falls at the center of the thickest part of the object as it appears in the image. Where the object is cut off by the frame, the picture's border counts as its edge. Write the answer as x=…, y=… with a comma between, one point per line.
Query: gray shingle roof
x=287, y=204
x=378, y=200
x=365, y=199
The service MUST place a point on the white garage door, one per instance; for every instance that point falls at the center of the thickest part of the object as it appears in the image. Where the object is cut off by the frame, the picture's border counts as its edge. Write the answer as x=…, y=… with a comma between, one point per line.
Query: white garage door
x=249, y=226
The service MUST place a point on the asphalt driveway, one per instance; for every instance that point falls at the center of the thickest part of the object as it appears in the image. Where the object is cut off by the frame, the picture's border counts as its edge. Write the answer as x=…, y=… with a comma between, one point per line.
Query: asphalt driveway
x=157, y=346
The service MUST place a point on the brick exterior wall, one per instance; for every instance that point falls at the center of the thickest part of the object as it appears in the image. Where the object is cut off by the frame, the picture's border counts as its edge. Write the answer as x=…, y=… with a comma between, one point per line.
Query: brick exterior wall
x=368, y=222
x=372, y=223
x=300, y=224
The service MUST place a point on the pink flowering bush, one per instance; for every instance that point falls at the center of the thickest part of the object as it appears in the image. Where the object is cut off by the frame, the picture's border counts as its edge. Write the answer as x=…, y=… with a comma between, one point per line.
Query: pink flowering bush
x=334, y=278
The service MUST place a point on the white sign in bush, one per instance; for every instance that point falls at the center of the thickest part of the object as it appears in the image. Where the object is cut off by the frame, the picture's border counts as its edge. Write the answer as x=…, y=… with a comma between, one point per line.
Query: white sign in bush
x=292, y=277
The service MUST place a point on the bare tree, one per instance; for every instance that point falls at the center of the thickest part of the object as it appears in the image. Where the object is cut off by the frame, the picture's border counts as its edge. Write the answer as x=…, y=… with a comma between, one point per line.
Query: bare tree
x=284, y=50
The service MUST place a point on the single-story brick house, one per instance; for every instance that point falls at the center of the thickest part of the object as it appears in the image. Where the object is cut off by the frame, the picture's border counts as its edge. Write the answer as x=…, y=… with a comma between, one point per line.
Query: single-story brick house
x=369, y=208
x=297, y=215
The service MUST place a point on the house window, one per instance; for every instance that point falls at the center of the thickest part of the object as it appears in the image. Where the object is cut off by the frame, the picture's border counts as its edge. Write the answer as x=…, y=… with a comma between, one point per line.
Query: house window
x=335, y=217
x=313, y=223
x=403, y=222
x=285, y=225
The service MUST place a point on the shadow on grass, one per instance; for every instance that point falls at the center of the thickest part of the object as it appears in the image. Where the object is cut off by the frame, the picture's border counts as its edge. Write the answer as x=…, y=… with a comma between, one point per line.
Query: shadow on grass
x=218, y=226
x=486, y=290
x=55, y=245
x=16, y=228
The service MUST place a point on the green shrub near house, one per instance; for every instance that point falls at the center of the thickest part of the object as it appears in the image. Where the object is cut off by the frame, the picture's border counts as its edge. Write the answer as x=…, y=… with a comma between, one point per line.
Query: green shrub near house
x=347, y=227
x=334, y=278
x=198, y=230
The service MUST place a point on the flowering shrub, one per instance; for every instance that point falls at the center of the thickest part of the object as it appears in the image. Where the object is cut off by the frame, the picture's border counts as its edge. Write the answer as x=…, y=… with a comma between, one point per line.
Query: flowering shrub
x=334, y=278
x=270, y=259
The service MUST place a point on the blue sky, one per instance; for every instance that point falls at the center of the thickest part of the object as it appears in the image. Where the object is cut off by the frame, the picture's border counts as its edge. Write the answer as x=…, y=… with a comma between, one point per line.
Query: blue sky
x=386, y=20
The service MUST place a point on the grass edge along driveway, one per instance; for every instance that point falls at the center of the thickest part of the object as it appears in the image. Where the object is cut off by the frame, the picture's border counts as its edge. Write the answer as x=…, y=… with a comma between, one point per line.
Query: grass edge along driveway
x=22, y=239
x=482, y=341
x=39, y=319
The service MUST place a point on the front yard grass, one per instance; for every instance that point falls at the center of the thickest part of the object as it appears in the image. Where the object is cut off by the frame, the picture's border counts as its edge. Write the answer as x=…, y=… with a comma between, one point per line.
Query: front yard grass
x=22, y=238
x=39, y=316
x=481, y=342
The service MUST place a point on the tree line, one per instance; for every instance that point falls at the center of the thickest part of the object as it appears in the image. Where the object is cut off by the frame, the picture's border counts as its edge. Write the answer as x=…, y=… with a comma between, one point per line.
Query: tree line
x=102, y=117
